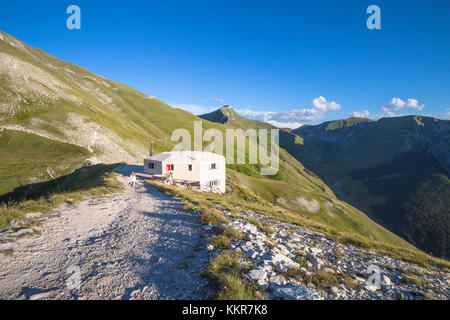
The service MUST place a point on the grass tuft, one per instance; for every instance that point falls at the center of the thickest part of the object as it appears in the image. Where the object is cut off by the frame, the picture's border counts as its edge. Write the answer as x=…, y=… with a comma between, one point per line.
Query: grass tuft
x=302, y=262
x=418, y=282
x=230, y=232
x=220, y=242
x=227, y=276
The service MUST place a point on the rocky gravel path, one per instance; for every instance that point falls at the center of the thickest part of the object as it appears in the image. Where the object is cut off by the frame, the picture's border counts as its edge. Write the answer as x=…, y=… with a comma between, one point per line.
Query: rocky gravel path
x=136, y=245
x=142, y=245
x=296, y=263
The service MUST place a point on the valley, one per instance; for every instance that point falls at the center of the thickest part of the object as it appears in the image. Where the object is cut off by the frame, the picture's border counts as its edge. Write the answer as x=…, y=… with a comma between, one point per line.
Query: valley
x=395, y=170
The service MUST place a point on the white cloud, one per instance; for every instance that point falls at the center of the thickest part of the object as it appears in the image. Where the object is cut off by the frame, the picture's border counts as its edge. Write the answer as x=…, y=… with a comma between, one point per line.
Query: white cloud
x=360, y=114
x=322, y=104
x=290, y=125
x=390, y=114
x=445, y=115
x=193, y=108
x=397, y=104
x=295, y=117
x=413, y=103
x=219, y=100
x=256, y=115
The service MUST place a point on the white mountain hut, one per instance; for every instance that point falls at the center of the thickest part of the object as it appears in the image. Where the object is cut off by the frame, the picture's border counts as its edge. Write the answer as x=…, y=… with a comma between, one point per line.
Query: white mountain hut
x=205, y=170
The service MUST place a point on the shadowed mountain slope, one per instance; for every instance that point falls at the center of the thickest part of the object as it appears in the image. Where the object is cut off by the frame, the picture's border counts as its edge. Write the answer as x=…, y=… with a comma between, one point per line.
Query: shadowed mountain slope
x=395, y=169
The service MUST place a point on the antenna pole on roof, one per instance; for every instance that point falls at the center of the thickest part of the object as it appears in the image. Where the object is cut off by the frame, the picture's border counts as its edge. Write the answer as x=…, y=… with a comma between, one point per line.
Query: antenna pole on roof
x=151, y=148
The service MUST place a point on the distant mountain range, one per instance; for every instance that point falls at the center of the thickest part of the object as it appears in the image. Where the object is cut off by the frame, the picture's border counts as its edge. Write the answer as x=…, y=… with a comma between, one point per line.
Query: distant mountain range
x=56, y=117
x=396, y=170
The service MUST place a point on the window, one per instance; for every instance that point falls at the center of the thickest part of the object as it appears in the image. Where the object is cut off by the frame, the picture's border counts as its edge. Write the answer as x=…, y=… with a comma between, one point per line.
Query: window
x=190, y=167
x=213, y=166
x=214, y=183
x=151, y=165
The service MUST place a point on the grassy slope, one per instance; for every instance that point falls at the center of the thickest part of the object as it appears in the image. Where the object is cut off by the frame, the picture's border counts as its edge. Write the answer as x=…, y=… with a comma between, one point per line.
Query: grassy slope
x=136, y=117
x=25, y=155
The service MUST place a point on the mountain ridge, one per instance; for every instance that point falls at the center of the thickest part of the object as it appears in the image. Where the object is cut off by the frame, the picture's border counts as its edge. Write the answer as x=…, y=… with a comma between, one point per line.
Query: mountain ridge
x=380, y=167
x=227, y=115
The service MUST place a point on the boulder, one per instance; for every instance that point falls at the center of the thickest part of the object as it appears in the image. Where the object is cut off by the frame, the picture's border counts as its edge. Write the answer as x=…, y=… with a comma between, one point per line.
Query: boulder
x=385, y=280
x=40, y=296
x=258, y=242
x=33, y=215
x=245, y=227
x=316, y=262
x=21, y=232
x=294, y=292
x=267, y=267
x=282, y=263
x=7, y=246
x=335, y=291
x=250, y=251
x=315, y=250
x=258, y=275
x=283, y=266
x=14, y=224
x=278, y=257
x=283, y=250
x=371, y=287
x=278, y=280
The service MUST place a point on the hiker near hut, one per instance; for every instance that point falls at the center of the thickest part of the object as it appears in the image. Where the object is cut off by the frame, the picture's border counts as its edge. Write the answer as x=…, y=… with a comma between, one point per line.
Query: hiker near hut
x=132, y=182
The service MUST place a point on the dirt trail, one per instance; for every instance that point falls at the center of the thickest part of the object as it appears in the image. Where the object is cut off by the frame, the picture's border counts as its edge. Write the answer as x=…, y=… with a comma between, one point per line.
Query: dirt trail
x=136, y=245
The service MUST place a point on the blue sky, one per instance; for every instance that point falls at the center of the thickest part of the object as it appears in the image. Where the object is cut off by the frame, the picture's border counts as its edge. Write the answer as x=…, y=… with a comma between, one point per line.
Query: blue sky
x=287, y=62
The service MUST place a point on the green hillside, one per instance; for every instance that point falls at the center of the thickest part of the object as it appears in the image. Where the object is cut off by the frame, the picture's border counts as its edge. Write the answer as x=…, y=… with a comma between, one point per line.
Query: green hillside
x=25, y=156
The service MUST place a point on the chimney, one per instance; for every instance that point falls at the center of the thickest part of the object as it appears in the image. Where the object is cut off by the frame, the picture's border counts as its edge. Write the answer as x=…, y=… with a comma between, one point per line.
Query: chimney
x=151, y=148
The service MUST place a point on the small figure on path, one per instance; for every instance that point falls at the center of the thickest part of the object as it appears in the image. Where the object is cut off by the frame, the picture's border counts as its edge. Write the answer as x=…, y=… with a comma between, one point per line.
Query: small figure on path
x=132, y=182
